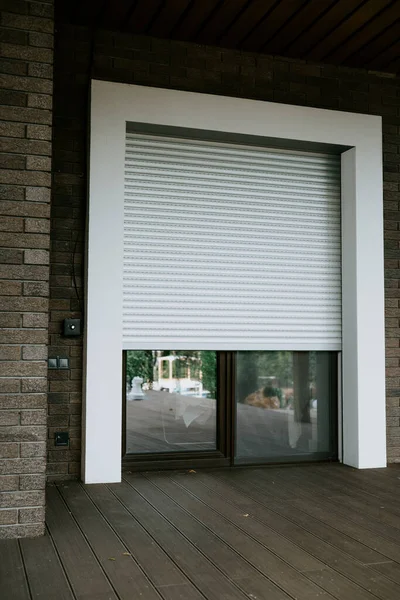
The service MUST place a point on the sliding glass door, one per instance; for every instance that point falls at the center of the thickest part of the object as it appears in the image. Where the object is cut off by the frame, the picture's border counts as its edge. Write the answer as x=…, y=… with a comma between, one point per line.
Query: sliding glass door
x=171, y=401
x=224, y=408
x=286, y=406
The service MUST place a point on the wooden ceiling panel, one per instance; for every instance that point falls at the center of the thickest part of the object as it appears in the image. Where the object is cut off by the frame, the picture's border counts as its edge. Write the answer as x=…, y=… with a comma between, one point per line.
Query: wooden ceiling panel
x=308, y=38
x=386, y=59
x=248, y=18
x=358, y=33
x=394, y=66
x=168, y=18
x=377, y=51
x=348, y=28
x=215, y=26
x=142, y=15
x=271, y=24
x=195, y=18
x=365, y=35
x=302, y=21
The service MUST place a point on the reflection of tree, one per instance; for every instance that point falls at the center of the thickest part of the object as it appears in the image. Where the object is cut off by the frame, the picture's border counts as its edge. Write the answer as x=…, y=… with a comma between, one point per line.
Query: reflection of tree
x=255, y=367
x=209, y=371
x=247, y=374
x=139, y=363
x=312, y=371
x=301, y=362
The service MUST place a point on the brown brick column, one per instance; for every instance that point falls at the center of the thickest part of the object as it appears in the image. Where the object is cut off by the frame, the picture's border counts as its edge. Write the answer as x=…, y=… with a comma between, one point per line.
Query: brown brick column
x=26, y=87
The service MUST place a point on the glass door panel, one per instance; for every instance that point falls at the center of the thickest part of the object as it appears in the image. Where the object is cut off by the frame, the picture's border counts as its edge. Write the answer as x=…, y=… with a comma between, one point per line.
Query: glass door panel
x=286, y=406
x=171, y=401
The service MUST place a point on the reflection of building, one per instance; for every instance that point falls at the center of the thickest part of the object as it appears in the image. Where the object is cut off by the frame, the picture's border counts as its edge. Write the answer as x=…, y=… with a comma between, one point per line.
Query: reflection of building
x=174, y=375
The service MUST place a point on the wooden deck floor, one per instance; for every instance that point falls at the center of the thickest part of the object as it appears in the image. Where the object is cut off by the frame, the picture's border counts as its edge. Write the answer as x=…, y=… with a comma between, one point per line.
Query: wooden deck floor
x=306, y=532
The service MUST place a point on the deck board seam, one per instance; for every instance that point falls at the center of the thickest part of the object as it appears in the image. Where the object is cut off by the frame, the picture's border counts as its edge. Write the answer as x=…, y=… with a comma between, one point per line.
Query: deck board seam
x=155, y=541
x=359, y=487
x=378, y=573
x=302, y=572
x=345, y=517
x=233, y=581
x=153, y=585
x=348, y=518
x=57, y=554
x=355, y=486
x=88, y=543
x=233, y=549
x=25, y=571
x=104, y=518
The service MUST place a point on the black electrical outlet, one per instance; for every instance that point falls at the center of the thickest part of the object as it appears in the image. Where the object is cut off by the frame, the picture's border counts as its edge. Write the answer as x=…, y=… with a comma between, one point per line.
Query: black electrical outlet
x=72, y=327
x=61, y=438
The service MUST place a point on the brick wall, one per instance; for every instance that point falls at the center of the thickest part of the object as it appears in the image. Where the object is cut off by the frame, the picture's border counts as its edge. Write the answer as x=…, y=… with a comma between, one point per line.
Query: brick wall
x=26, y=50
x=148, y=61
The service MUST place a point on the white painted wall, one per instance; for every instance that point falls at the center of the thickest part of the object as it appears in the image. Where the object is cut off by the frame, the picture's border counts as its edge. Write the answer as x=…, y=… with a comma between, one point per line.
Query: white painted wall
x=364, y=438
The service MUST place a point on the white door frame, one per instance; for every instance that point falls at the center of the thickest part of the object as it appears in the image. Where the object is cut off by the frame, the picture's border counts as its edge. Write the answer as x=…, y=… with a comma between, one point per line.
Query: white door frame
x=363, y=372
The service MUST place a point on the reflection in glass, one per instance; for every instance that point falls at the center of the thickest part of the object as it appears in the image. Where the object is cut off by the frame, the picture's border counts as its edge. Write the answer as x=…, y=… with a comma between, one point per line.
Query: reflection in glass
x=285, y=405
x=171, y=401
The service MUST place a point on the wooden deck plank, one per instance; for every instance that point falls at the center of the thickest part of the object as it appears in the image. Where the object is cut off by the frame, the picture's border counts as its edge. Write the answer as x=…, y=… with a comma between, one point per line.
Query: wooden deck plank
x=346, y=486
x=373, y=516
x=391, y=471
x=390, y=570
x=264, y=543
x=157, y=565
x=369, y=485
x=356, y=481
x=230, y=503
x=317, y=531
x=279, y=505
x=85, y=575
x=386, y=479
x=117, y=562
x=320, y=508
x=13, y=582
x=213, y=540
x=45, y=574
x=204, y=574
x=331, y=582
x=373, y=533
x=376, y=511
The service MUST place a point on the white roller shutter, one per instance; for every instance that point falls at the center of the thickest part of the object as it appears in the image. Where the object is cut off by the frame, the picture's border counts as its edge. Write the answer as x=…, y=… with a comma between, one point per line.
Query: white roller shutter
x=230, y=247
